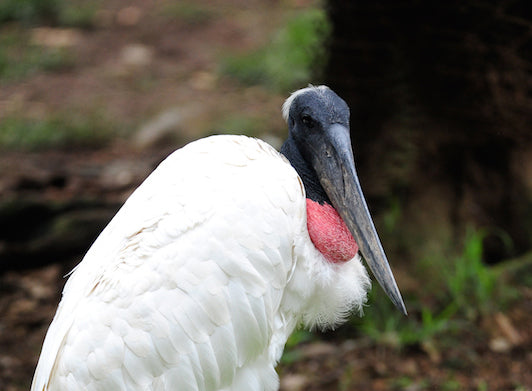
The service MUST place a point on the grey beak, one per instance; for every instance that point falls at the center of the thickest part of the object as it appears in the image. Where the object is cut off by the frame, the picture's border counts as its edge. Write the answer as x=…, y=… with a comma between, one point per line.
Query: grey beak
x=334, y=164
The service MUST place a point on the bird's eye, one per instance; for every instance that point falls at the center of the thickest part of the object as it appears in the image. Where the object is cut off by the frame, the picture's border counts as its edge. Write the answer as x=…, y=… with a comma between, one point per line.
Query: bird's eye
x=307, y=121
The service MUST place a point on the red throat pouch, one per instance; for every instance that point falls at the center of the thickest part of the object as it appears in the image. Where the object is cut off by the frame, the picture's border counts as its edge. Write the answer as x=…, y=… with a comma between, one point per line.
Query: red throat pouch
x=329, y=233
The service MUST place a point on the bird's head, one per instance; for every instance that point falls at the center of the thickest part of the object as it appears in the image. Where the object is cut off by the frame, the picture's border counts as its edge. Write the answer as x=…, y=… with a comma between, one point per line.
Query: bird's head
x=319, y=148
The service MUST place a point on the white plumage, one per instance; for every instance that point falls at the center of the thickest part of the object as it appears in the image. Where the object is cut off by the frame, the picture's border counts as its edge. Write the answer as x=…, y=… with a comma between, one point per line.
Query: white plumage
x=198, y=280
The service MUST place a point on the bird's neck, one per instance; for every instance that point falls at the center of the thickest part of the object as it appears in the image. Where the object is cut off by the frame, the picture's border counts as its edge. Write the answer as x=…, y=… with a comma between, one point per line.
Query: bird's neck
x=326, y=228
x=307, y=174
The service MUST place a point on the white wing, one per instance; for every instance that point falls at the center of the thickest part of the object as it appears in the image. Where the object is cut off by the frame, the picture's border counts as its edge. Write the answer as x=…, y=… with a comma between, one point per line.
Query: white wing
x=182, y=290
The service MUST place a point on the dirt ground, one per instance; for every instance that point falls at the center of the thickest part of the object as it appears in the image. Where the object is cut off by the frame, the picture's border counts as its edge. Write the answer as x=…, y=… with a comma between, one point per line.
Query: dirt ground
x=336, y=361
x=138, y=63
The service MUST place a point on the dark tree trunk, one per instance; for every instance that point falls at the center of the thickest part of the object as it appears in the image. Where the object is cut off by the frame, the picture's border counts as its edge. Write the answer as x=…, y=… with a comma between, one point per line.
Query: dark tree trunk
x=441, y=100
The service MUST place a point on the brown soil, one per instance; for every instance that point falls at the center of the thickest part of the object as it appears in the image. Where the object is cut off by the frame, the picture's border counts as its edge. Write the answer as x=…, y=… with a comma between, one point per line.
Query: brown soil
x=181, y=72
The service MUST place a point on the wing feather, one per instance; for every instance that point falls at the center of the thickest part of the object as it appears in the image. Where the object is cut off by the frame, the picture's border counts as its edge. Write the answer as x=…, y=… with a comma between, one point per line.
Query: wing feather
x=182, y=288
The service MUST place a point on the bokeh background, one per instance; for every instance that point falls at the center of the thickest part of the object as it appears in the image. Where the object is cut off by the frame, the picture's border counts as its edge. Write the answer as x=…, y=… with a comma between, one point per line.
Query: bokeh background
x=93, y=95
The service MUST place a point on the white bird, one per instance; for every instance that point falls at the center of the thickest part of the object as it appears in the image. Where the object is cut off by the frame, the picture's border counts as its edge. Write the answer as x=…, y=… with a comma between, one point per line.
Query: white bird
x=206, y=270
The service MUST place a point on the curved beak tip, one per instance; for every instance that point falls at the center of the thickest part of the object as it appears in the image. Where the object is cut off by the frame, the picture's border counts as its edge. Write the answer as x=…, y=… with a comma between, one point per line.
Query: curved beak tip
x=383, y=274
x=400, y=305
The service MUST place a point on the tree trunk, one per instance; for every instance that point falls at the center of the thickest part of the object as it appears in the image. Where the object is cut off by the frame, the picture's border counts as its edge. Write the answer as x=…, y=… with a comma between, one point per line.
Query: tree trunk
x=441, y=100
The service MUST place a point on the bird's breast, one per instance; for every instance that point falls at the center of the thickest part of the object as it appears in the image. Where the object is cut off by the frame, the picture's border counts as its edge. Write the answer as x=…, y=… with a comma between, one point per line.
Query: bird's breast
x=329, y=233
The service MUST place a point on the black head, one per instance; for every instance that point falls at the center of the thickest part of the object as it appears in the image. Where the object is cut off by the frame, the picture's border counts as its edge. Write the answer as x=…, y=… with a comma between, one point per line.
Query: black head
x=313, y=107
x=319, y=148
x=314, y=116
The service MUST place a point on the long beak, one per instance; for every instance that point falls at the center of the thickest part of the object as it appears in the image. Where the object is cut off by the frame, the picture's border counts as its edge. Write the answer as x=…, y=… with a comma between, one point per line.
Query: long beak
x=335, y=166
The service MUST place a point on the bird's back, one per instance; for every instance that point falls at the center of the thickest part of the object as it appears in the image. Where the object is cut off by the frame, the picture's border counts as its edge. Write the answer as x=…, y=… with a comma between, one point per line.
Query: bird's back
x=182, y=290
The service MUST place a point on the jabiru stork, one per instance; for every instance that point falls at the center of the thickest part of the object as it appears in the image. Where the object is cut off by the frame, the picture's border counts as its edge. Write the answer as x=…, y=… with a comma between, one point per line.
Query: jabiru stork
x=213, y=261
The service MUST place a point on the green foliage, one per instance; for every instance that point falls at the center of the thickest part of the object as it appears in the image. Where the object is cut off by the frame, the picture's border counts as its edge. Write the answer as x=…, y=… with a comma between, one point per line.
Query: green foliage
x=54, y=132
x=29, y=11
x=451, y=384
x=244, y=124
x=482, y=386
x=80, y=14
x=471, y=284
x=407, y=383
x=291, y=354
x=392, y=216
x=385, y=325
x=19, y=58
x=292, y=58
x=299, y=336
x=459, y=288
x=191, y=13
x=74, y=13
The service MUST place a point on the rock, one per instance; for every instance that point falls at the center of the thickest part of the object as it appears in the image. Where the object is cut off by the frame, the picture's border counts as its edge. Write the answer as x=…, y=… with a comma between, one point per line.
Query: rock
x=203, y=81
x=293, y=382
x=55, y=37
x=124, y=174
x=500, y=345
x=160, y=130
x=136, y=55
x=504, y=335
x=507, y=329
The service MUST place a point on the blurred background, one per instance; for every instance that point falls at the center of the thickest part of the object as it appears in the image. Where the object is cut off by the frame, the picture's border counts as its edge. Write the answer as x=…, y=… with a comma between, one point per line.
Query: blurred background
x=93, y=95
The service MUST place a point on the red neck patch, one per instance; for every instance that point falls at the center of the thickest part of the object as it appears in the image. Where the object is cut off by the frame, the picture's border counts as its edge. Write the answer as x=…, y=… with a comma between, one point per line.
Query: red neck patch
x=329, y=233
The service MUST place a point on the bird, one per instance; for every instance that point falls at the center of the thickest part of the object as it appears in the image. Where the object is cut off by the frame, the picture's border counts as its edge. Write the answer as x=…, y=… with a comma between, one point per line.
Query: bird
x=216, y=258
